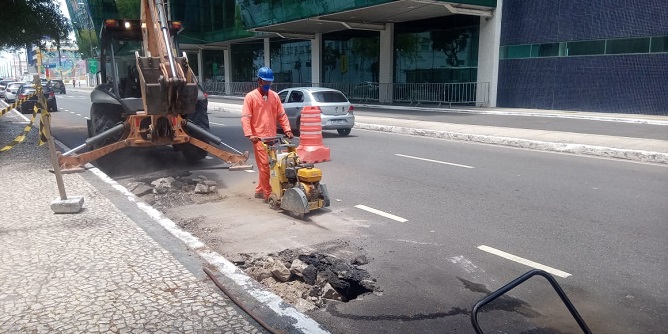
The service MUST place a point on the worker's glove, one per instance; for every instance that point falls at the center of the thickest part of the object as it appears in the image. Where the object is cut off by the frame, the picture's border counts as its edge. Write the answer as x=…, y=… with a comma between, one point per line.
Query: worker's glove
x=289, y=135
x=254, y=139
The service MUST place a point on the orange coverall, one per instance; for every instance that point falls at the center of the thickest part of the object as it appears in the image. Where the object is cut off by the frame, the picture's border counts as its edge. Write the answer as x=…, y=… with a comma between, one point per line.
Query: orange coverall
x=259, y=118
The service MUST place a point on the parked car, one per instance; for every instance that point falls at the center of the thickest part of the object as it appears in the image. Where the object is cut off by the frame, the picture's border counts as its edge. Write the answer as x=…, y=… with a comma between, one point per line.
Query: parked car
x=27, y=106
x=336, y=110
x=58, y=86
x=10, y=91
x=3, y=86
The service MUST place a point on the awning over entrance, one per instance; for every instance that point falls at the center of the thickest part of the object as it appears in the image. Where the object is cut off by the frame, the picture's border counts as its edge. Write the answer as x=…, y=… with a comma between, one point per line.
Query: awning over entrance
x=372, y=17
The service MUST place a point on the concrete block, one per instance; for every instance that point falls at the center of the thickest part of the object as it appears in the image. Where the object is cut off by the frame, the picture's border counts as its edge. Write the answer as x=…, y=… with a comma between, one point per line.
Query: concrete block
x=72, y=204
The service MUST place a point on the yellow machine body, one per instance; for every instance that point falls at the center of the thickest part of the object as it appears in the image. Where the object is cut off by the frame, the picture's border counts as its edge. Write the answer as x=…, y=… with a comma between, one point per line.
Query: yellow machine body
x=309, y=174
x=295, y=187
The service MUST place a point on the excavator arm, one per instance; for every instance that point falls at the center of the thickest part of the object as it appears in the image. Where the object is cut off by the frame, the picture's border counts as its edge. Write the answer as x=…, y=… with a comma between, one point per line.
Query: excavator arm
x=167, y=83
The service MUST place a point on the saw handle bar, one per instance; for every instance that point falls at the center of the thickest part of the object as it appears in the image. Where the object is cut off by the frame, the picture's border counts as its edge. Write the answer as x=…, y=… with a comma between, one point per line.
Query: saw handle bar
x=281, y=139
x=506, y=288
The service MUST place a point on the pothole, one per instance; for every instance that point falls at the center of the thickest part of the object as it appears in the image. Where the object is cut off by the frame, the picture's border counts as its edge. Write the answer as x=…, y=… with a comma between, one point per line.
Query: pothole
x=309, y=280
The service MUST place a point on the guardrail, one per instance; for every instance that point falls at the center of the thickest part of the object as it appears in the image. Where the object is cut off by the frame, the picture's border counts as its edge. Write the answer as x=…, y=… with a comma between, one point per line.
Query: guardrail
x=461, y=93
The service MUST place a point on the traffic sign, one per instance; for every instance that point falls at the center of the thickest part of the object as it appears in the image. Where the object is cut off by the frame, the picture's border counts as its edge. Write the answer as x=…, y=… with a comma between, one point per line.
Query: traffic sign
x=92, y=66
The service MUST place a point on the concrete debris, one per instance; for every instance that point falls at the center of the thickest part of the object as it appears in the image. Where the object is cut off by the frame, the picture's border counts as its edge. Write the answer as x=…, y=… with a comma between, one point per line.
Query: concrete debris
x=311, y=280
x=360, y=260
x=169, y=191
x=280, y=272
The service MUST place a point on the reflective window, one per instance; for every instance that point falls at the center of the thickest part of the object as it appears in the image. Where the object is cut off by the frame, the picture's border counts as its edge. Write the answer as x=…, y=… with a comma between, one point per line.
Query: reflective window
x=246, y=60
x=350, y=56
x=627, y=45
x=545, y=50
x=438, y=50
x=585, y=48
x=330, y=96
x=282, y=95
x=289, y=61
x=518, y=51
x=659, y=44
x=214, y=66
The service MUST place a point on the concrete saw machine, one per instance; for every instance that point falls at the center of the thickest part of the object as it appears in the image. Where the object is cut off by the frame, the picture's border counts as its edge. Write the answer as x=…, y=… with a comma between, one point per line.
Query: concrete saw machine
x=295, y=186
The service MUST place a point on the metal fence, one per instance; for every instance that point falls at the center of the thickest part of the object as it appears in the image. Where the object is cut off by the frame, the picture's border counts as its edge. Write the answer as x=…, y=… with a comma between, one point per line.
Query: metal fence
x=466, y=93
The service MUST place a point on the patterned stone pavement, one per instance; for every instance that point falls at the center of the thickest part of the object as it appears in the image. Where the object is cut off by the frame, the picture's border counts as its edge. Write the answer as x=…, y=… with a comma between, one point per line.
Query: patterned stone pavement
x=95, y=271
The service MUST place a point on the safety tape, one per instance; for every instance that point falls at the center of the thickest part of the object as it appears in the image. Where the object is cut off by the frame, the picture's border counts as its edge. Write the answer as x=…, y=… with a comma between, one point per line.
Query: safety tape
x=20, y=138
x=15, y=104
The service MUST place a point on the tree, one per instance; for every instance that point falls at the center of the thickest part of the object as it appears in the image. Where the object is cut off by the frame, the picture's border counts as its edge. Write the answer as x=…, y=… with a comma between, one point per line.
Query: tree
x=451, y=42
x=329, y=57
x=31, y=22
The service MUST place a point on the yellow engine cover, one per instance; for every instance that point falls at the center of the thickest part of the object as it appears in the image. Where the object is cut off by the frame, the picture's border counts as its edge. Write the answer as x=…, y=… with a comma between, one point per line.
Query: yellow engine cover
x=309, y=174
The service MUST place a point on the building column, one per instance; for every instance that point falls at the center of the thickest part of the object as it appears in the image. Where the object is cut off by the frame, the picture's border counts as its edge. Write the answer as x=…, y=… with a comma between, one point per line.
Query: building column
x=267, y=53
x=488, y=55
x=227, y=62
x=316, y=59
x=386, y=64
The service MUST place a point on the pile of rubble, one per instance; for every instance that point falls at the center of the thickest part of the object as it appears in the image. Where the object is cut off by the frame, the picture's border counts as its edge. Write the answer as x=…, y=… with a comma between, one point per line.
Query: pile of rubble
x=307, y=281
x=166, y=192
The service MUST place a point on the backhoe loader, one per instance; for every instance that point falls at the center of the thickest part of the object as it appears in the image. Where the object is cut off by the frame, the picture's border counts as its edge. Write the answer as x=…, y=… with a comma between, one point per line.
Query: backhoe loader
x=148, y=96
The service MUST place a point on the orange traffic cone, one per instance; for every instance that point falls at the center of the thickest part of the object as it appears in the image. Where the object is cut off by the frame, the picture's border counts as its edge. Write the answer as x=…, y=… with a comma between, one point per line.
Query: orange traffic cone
x=310, y=149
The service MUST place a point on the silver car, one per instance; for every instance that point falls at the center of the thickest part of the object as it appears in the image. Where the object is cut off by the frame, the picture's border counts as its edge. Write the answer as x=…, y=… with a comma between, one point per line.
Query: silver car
x=3, y=86
x=336, y=110
x=10, y=91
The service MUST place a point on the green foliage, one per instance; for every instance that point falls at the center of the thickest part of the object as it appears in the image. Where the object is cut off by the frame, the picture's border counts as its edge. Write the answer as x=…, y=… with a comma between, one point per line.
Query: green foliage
x=32, y=22
x=408, y=47
x=451, y=42
x=130, y=9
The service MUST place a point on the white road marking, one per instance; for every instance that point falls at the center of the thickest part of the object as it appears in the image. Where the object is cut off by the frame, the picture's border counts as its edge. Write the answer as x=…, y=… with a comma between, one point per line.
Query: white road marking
x=415, y=242
x=79, y=115
x=381, y=213
x=436, y=161
x=221, y=124
x=250, y=171
x=524, y=261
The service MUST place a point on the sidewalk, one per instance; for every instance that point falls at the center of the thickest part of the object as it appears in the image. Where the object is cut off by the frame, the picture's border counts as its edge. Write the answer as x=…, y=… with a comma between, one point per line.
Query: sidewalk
x=111, y=267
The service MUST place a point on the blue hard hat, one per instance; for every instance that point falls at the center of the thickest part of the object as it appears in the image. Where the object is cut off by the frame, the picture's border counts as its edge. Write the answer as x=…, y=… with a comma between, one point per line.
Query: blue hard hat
x=266, y=74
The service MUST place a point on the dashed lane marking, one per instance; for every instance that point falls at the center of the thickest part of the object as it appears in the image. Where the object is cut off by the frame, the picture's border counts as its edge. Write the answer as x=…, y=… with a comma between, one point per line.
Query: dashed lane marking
x=221, y=124
x=523, y=261
x=381, y=213
x=436, y=161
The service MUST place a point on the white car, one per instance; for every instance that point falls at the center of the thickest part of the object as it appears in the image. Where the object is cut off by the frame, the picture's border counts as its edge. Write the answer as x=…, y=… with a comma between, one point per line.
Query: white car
x=10, y=91
x=3, y=86
x=336, y=110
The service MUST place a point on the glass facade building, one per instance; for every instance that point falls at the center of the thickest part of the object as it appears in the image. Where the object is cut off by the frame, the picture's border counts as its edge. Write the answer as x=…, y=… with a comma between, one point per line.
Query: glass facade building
x=509, y=53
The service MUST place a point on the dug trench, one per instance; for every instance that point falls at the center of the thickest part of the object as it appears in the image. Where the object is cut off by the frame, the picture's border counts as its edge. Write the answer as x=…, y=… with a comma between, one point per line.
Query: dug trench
x=306, y=277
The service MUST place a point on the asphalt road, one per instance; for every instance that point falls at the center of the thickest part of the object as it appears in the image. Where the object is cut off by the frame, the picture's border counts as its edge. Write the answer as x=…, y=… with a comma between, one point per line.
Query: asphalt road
x=601, y=224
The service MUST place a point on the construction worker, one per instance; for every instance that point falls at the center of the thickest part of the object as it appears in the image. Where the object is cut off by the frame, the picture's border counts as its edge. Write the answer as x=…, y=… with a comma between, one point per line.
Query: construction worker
x=262, y=110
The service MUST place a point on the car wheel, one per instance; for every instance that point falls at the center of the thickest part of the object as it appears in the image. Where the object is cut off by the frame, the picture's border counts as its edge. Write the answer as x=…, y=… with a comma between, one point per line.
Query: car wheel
x=343, y=132
x=296, y=131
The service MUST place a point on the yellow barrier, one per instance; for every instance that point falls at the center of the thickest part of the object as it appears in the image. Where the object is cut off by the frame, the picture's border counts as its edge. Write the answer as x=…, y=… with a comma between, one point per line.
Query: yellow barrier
x=20, y=138
x=15, y=104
